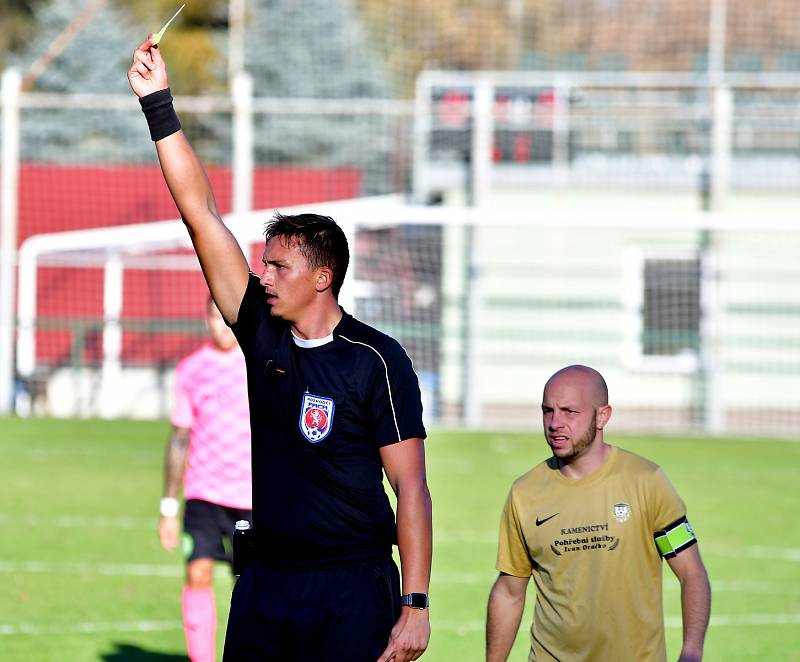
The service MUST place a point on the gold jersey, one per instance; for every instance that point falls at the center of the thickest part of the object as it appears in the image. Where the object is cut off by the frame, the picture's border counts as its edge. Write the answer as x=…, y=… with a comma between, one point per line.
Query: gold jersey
x=589, y=545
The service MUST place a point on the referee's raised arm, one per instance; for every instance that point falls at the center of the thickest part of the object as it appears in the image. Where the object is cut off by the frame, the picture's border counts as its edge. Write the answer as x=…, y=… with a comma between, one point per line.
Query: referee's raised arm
x=224, y=265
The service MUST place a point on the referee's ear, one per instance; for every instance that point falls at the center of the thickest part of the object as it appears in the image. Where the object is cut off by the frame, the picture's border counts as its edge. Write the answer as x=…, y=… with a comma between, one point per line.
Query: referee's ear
x=324, y=279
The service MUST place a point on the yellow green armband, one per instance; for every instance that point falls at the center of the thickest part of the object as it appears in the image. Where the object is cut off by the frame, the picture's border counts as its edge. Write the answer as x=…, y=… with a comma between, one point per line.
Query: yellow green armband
x=675, y=538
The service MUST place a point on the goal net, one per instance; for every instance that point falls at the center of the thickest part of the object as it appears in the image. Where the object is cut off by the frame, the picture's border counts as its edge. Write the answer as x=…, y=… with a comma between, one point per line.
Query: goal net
x=691, y=317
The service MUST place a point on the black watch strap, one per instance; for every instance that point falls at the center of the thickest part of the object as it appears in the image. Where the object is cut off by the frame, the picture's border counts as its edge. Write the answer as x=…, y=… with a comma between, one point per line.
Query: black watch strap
x=414, y=600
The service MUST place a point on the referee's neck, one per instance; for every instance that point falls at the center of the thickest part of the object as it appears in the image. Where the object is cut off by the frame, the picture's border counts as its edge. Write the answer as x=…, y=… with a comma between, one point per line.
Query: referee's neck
x=319, y=322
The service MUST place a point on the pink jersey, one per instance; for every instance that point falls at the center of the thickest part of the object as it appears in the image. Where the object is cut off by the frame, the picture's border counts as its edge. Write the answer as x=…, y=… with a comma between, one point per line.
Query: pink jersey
x=211, y=400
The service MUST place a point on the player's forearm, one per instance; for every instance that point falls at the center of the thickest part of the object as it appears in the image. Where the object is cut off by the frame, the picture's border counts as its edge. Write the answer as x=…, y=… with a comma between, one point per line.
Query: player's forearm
x=187, y=181
x=415, y=537
x=696, y=609
x=503, y=617
x=224, y=265
x=175, y=461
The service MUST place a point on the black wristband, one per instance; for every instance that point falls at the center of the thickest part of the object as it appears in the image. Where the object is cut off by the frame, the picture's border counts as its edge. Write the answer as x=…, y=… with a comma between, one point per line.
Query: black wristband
x=160, y=115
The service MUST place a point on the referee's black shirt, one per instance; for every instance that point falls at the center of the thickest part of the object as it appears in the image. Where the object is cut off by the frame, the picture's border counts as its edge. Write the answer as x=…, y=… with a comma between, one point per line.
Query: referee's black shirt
x=318, y=418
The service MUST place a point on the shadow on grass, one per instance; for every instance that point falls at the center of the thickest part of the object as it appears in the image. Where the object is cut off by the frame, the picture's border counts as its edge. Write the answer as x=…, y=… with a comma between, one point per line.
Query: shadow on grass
x=134, y=653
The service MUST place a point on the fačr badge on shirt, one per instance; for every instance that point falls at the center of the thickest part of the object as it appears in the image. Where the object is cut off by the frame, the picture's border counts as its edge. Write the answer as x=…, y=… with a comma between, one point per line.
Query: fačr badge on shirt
x=316, y=417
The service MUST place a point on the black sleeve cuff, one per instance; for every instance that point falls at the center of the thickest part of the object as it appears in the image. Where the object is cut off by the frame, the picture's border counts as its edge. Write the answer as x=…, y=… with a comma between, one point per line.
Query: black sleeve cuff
x=160, y=115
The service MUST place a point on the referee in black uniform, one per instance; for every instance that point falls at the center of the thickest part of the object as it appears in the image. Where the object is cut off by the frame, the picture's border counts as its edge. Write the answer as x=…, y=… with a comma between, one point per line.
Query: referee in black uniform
x=334, y=403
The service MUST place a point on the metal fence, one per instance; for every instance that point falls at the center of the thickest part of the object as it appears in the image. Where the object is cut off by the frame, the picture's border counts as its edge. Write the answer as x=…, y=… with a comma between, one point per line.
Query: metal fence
x=515, y=146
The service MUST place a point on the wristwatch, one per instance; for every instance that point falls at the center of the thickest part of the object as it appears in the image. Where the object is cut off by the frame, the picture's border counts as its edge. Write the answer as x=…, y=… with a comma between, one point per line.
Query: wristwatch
x=414, y=600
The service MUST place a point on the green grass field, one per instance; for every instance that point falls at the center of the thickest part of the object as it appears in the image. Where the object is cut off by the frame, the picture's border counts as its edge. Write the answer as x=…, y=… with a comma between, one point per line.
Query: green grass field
x=84, y=578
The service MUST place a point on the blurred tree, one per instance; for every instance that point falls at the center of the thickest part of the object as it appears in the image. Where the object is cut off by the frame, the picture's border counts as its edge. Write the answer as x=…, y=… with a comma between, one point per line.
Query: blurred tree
x=17, y=25
x=95, y=60
x=318, y=49
x=445, y=34
x=192, y=42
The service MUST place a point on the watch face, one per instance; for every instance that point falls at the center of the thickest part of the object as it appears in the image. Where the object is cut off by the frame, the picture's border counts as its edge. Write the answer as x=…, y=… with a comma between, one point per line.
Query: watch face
x=417, y=600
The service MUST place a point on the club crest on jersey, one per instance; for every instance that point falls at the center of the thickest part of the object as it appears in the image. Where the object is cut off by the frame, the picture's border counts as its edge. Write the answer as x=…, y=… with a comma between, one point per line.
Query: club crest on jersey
x=316, y=417
x=622, y=511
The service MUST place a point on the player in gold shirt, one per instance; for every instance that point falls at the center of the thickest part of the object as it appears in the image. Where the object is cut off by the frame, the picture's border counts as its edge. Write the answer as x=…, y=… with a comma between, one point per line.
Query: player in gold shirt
x=591, y=525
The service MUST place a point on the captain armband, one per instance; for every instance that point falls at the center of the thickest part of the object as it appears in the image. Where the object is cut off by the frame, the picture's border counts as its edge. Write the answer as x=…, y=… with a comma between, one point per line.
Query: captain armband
x=675, y=538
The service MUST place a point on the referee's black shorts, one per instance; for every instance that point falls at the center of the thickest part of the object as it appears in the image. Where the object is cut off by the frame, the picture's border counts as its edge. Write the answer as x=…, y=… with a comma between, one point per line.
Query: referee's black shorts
x=334, y=614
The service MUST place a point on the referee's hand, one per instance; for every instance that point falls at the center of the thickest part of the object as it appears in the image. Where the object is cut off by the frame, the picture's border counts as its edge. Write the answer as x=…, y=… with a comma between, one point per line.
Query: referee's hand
x=409, y=637
x=148, y=71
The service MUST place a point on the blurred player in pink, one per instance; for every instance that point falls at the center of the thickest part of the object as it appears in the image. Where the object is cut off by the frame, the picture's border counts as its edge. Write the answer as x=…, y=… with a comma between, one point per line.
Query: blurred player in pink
x=209, y=450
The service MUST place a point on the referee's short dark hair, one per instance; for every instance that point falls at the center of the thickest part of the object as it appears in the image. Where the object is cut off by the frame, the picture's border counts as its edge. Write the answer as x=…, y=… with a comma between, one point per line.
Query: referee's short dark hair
x=321, y=241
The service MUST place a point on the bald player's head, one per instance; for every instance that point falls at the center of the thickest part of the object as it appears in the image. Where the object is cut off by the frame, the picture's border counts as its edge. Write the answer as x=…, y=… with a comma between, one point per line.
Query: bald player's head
x=585, y=379
x=575, y=410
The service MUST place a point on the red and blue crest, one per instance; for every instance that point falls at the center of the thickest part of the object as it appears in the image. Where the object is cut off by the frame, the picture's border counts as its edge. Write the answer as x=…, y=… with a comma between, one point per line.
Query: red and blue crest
x=316, y=417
